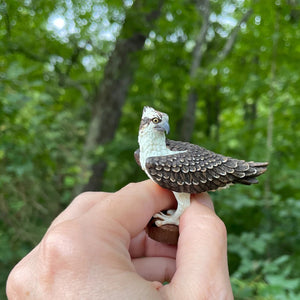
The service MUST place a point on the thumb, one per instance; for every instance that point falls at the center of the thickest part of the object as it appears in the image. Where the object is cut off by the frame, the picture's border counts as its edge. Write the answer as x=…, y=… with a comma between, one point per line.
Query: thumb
x=202, y=269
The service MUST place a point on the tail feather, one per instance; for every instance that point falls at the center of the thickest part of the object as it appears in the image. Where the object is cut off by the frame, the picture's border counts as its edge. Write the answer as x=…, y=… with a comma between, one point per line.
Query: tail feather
x=260, y=167
x=255, y=170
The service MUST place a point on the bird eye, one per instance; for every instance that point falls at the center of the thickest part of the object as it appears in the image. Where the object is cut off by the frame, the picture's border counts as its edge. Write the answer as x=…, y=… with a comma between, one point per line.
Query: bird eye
x=155, y=120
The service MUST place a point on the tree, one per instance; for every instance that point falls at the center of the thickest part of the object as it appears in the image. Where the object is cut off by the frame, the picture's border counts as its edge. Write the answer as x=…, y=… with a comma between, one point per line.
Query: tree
x=116, y=82
x=188, y=122
x=58, y=68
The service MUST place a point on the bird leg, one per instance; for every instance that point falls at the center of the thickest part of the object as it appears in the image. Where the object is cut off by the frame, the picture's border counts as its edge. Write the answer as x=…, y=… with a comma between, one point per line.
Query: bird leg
x=172, y=217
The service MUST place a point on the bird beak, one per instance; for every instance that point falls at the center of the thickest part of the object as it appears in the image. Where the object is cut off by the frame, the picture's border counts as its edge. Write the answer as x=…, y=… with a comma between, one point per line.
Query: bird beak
x=163, y=126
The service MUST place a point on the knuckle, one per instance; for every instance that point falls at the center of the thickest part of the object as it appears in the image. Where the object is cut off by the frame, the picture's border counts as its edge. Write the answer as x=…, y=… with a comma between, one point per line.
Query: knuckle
x=88, y=198
x=15, y=282
x=219, y=228
x=57, y=248
x=130, y=186
x=212, y=225
x=82, y=197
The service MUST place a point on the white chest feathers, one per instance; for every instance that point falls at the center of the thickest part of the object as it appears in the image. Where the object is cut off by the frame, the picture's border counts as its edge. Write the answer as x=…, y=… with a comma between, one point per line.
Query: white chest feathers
x=153, y=144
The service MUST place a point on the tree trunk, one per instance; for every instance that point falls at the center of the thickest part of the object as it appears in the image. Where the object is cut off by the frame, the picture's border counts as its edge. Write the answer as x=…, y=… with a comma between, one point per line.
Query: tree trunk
x=213, y=110
x=270, y=126
x=114, y=87
x=188, y=122
x=232, y=38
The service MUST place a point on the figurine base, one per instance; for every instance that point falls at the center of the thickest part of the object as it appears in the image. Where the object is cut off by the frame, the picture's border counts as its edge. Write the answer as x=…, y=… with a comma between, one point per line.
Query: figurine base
x=167, y=234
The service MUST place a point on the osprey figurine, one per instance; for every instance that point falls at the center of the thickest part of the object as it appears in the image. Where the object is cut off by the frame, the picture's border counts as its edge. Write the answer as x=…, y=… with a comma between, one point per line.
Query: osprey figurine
x=185, y=168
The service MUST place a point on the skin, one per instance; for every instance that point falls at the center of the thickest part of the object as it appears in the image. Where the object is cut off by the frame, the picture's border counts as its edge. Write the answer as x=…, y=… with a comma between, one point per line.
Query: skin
x=97, y=249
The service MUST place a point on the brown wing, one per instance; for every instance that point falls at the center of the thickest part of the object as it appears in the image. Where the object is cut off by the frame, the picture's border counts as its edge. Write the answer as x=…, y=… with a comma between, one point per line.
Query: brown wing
x=198, y=170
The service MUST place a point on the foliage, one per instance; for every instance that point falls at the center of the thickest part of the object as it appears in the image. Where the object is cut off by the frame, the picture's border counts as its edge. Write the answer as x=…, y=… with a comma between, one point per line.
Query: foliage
x=52, y=58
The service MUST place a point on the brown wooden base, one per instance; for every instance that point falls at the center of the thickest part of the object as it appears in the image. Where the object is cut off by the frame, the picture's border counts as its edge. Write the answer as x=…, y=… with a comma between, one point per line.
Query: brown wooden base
x=167, y=234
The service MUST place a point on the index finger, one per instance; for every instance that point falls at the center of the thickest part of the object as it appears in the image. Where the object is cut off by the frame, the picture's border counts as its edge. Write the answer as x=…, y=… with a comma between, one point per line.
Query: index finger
x=135, y=204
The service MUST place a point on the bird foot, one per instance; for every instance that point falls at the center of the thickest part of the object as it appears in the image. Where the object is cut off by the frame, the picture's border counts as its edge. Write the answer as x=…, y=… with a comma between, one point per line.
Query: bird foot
x=168, y=218
x=171, y=212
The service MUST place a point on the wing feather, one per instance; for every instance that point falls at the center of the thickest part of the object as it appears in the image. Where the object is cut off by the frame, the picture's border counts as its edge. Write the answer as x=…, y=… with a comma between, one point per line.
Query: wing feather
x=199, y=170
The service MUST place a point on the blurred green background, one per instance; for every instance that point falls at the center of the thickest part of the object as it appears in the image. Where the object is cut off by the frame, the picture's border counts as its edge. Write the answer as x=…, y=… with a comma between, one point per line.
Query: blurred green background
x=75, y=75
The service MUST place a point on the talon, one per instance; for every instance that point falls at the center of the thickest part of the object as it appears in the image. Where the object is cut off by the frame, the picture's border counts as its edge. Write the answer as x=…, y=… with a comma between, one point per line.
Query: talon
x=160, y=215
x=171, y=212
x=170, y=221
x=158, y=223
x=166, y=219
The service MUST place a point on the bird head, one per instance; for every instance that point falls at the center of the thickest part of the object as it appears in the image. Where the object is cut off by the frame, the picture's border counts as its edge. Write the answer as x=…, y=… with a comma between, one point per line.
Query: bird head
x=153, y=120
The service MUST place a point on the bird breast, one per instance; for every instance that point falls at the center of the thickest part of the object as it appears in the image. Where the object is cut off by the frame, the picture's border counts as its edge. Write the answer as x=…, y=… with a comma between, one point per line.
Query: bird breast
x=151, y=145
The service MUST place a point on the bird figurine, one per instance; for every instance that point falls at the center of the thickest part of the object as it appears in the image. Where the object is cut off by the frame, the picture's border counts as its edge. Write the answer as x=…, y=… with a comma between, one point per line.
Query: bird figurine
x=186, y=168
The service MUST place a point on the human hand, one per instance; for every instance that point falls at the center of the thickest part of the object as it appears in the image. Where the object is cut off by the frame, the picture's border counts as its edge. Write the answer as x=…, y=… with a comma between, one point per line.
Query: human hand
x=97, y=249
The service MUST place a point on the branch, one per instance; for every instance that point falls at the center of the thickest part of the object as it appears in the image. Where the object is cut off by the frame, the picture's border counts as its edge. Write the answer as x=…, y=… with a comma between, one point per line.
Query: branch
x=75, y=55
x=6, y=19
x=200, y=39
x=231, y=40
x=69, y=83
x=188, y=121
x=27, y=53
